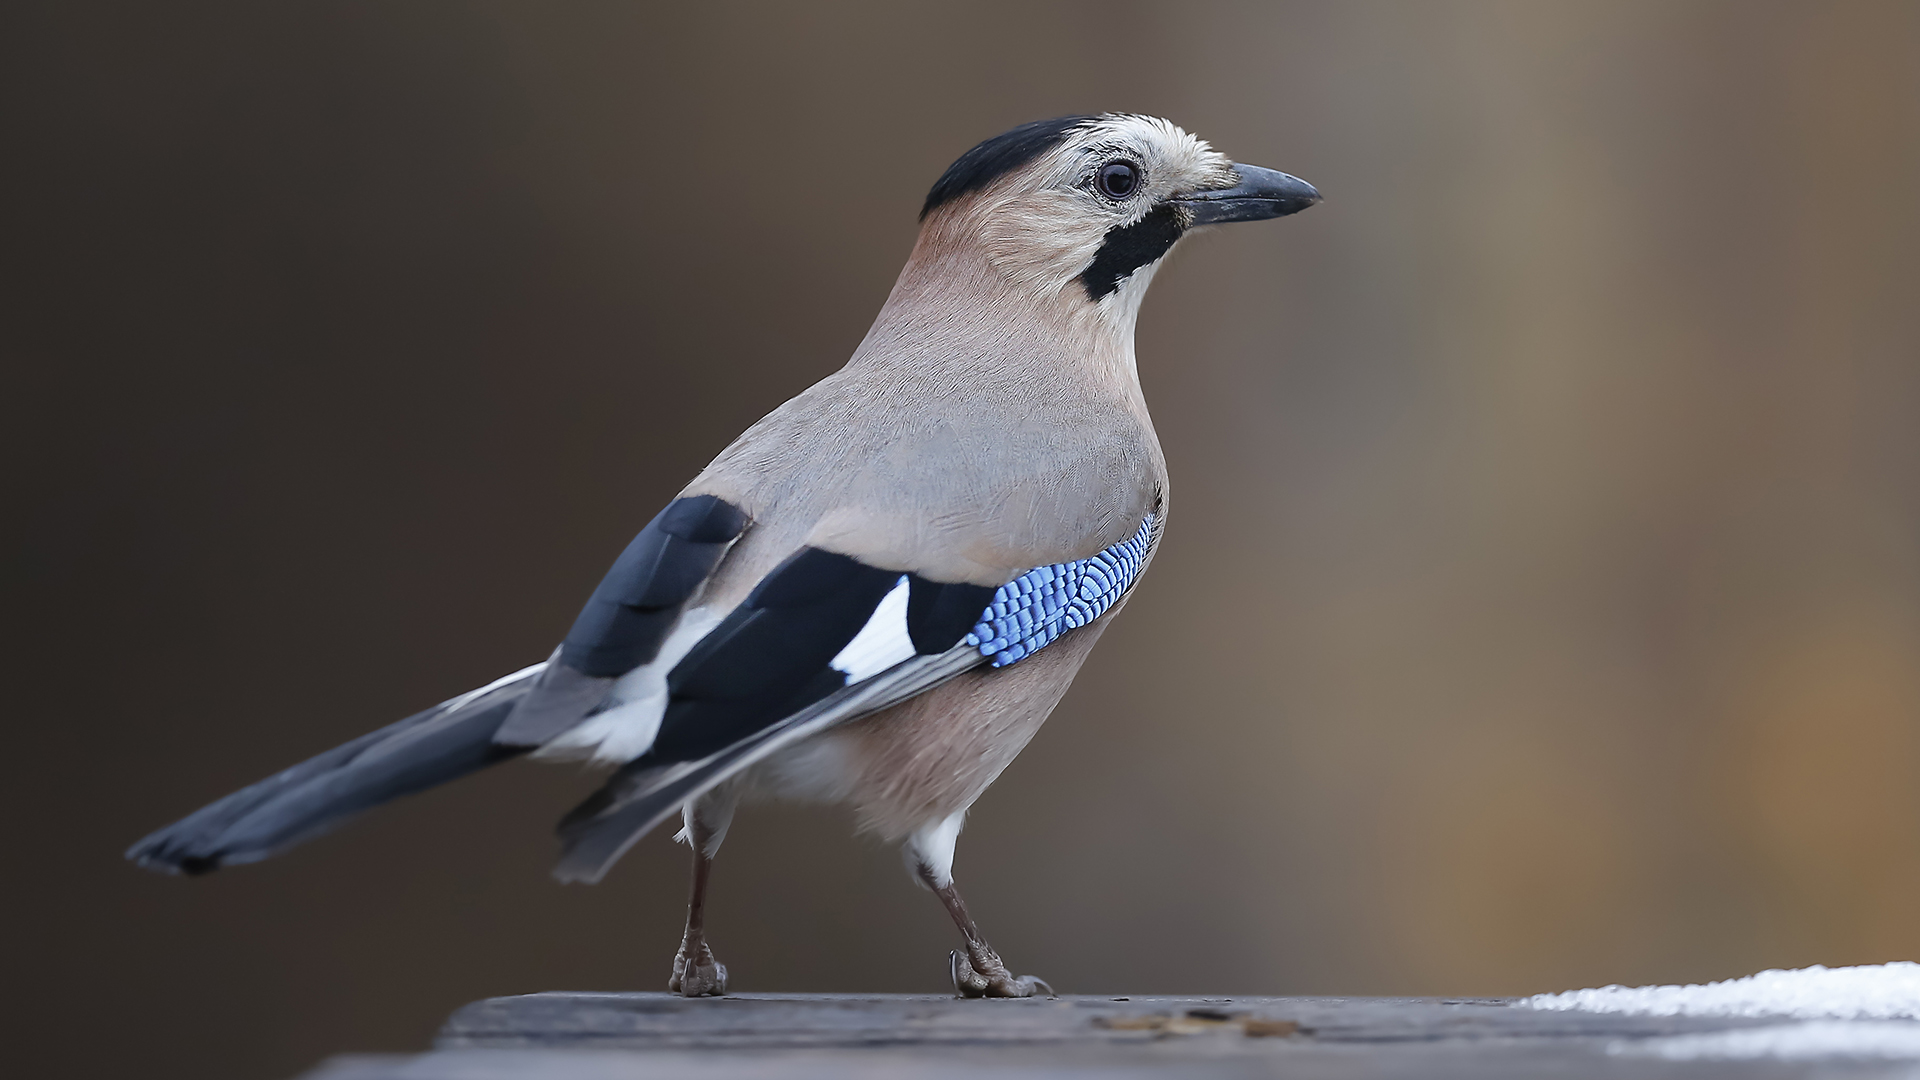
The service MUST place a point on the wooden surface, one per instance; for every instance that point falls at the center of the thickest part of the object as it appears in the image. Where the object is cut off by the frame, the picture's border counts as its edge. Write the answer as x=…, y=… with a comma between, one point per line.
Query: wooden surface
x=587, y=1036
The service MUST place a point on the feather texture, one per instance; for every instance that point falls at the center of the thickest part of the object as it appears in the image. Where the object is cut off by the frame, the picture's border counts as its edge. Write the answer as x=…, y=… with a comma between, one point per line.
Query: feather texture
x=320, y=794
x=628, y=619
x=1030, y=611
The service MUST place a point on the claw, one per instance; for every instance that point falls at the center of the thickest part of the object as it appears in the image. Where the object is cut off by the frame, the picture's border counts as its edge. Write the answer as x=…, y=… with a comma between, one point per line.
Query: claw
x=966, y=983
x=984, y=975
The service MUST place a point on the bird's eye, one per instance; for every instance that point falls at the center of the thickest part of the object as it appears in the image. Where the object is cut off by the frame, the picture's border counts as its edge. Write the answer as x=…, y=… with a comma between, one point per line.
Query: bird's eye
x=1118, y=179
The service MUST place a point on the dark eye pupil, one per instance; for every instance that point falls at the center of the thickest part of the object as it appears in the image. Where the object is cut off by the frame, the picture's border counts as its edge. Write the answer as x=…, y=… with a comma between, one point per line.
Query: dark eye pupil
x=1119, y=179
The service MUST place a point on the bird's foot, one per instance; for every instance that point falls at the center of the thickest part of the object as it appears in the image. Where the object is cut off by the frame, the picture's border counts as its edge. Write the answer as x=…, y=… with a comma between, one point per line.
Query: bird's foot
x=696, y=973
x=979, y=972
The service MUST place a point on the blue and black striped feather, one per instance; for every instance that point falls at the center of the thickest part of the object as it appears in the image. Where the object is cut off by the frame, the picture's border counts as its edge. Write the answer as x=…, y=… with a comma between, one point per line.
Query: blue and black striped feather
x=1030, y=611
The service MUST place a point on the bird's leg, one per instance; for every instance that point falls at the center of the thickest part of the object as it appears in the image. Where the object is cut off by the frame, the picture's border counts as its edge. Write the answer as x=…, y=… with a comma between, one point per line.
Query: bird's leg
x=695, y=972
x=978, y=971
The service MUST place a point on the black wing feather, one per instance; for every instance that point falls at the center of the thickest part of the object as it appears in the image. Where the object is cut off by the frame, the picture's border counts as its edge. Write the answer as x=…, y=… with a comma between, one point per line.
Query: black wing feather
x=769, y=656
x=941, y=613
x=628, y=616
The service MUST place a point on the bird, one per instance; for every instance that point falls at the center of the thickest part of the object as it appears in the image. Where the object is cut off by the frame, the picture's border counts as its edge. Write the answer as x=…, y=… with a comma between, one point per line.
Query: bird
x=877, y=593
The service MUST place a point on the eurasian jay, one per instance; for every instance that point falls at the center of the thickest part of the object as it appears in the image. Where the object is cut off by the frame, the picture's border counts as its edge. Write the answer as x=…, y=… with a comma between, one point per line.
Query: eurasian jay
x=877, y=593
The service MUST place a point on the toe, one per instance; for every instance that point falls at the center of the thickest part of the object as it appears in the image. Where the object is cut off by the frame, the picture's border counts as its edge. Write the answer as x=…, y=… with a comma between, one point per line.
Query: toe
x=967, y=983
x=698, y=975
x=1010, y=987
x=986, y=976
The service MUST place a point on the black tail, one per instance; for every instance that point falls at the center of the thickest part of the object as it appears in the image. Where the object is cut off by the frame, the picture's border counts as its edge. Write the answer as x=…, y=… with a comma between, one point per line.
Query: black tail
x=318, y=795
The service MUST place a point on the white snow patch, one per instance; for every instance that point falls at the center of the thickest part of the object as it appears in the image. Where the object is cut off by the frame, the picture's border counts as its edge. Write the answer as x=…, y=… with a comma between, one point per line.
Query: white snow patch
x=1869, y=992
x=1792, y=1042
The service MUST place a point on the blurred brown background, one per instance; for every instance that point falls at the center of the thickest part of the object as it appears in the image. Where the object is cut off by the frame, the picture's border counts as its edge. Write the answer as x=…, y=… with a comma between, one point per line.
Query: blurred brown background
x=1541, y=604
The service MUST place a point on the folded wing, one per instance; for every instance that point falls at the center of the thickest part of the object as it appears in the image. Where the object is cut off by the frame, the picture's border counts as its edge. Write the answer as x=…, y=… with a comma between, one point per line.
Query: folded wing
x=822, y=640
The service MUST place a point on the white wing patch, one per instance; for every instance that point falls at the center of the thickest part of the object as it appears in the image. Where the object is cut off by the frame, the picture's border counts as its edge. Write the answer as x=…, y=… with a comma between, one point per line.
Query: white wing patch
x=625, y=729
x=880, y=644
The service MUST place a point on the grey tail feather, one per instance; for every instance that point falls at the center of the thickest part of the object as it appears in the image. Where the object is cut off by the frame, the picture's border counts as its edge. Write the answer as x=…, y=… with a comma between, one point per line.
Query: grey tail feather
x=556, y=701
x=645, y=793
x=318, y=795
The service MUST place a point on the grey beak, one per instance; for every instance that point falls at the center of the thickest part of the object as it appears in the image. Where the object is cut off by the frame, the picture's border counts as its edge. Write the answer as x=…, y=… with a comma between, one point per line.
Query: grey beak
x=1261, y=193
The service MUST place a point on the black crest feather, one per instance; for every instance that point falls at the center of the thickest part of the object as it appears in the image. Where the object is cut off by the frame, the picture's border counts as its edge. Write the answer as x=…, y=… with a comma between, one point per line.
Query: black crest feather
x=997, y=157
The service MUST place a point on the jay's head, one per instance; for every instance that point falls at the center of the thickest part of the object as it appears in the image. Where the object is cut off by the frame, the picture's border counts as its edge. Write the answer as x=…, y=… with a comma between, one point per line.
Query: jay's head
x=1088, y=206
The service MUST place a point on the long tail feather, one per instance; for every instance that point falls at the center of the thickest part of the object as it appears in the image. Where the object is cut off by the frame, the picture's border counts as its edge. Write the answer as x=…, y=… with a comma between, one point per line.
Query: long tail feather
x=318, y=795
